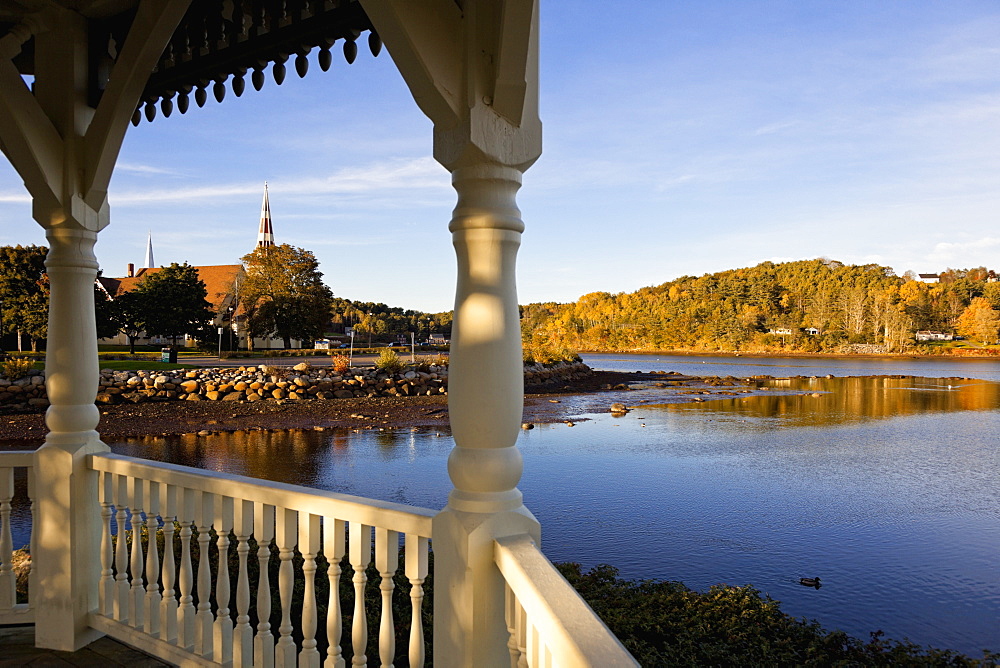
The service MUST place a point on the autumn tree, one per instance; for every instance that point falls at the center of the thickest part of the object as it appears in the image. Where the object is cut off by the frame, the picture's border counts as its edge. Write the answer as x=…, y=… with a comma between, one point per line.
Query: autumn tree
x=979, y=321
x=283, y=293
x=174, y=302
x=24, y=292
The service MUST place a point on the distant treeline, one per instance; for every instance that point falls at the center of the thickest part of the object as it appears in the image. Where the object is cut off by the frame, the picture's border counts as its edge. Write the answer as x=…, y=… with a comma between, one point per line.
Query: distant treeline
x=808, y=306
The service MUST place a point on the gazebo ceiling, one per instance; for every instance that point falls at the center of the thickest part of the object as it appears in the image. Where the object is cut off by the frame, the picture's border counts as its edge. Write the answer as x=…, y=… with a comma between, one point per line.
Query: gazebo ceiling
x=216, y=41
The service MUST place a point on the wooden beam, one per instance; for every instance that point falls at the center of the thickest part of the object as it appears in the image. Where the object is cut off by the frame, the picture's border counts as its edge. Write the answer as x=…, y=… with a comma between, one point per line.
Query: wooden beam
x=152, y=28
x=425, y=40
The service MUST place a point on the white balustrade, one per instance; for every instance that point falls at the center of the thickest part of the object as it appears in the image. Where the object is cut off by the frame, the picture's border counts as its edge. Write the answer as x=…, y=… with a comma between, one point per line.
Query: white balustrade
x=12, y=612
x=173, y=613
x=548, y=622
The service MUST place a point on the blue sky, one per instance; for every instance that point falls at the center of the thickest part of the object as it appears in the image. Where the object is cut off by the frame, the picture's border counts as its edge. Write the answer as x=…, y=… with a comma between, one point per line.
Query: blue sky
x=680, y=138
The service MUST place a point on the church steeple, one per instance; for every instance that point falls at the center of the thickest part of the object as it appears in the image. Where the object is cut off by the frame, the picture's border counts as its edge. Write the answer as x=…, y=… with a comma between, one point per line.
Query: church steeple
x=149, y=251
x=265, y=235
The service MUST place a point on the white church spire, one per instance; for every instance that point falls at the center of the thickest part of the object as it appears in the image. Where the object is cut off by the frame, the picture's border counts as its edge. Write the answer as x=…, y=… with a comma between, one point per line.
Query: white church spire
x=265, y=235
x=149, y=251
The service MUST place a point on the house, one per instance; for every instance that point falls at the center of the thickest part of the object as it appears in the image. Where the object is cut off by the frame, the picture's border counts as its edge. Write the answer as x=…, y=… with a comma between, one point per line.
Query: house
x=221, y=283
x=926, y=335
x=780, y=331
x=929, y=278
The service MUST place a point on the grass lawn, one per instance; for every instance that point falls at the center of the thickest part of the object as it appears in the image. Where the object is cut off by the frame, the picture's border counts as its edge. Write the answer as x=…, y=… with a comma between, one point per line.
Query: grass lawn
x=132, y=365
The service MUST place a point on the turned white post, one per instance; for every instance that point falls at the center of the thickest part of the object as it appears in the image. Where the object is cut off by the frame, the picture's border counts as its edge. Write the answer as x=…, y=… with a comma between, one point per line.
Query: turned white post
x=473, y=71
x=387, y=563
x=285, y=530
x=309, y=541
x=151, y=492
x=334, y=546
x=243, y=634
x=263, y=531
x=359, y=537
x=204, y=636
x=223, y=630
x=68, y=555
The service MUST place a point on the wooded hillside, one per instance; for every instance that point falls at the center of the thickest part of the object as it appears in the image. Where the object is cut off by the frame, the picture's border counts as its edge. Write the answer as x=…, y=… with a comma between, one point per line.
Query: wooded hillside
x=809, y=306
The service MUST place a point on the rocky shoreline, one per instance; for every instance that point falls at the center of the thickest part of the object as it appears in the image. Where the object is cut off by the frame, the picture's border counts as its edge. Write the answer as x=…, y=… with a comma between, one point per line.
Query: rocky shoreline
x=302, y=382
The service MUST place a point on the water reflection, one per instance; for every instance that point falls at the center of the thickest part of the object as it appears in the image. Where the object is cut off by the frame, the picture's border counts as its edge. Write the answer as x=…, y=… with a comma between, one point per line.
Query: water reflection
x=830, y=401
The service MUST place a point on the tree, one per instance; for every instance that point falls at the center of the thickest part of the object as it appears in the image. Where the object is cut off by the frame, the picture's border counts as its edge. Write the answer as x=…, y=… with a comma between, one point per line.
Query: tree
x=24, y=292
x=979, y=321
x=283, y=293
x=174, y=302
x=128, y=314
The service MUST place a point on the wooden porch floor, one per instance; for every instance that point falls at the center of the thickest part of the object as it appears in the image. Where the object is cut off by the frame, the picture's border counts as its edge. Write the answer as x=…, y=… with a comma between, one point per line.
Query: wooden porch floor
x=17, y=648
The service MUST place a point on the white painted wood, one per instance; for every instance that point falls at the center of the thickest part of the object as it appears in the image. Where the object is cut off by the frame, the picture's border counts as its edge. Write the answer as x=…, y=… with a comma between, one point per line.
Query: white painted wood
x=395, y=516
x=416, y=568
x=558, y=621
x=153, y=646
x=309, y=542
x=334, y=547
x=8, y=581
x=286, y=530
x=185, y=608
x=151, y=609
x=33, y=543
x=137, y=592
x=203, y=635
x=360, y=538
x=121, y=549
x=168, y=604
x=243, y=633
x=223, y=629
x=510, y=616
x=263, y=529
x=387, y=563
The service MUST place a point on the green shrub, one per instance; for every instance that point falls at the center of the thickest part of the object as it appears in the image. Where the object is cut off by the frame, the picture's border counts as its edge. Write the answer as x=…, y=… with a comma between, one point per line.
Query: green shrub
x=388, y=361
x=548, y=354
x=14, y=368
x=664, y=623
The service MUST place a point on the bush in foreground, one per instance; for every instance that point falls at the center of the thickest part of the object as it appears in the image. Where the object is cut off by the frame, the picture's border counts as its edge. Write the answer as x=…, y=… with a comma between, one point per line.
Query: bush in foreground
x=665, y=623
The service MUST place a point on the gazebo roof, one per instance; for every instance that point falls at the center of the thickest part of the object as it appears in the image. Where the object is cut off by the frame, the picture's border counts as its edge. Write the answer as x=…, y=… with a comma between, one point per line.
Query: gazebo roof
x=216, y=41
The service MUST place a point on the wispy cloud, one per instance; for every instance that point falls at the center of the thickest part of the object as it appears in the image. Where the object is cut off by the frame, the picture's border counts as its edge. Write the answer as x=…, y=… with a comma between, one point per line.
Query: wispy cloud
x=950, y=251
x=136, y=168
x=15, y=198
x=416, y=174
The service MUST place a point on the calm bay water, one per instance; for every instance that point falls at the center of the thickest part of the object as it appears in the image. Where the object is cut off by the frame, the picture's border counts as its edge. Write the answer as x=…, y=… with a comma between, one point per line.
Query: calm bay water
x=885, y=488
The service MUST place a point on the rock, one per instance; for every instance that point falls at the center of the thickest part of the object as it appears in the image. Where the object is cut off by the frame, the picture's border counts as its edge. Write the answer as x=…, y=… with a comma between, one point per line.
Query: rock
x=343, y=394
x=233, y=396
x=619, y=408
x=527, y=425
x=302, y=366
x=213, y=395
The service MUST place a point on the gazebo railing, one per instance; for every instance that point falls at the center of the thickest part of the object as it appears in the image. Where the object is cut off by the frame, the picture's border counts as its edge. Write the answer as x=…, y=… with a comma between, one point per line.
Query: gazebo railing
x=549, y=623
x=164, y=588
x=12, y=612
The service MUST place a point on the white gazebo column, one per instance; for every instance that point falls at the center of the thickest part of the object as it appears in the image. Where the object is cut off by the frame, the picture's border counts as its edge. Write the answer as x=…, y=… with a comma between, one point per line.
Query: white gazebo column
x=65, y=151
x=485, y=401
x=69, y=528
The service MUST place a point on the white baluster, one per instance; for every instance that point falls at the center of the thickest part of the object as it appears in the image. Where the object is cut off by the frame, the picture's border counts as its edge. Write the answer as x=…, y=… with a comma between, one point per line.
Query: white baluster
x=286, y=526
x=8, y=580
x=510, y=616
x=387, y=563
x=243, y=634
x=121, y=550
x=33, y=542
x=360, y=536
x=263, y=530
x=309, y=535
x=107, y=585
x=151, y=612
x=137, y=593
x=416, y=572
x=168, y=604
x=186, y=611
x=204, y=636
x=521, y=630
x=223, y=630
x=334, y=547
